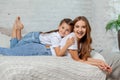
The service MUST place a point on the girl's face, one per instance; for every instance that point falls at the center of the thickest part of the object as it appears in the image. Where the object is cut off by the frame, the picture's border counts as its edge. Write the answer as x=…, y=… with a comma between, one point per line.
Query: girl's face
x=80, y=29
x=64, y=29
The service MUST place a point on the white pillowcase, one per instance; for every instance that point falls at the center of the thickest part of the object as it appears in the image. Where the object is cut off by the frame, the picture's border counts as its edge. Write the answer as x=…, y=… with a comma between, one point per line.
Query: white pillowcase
x=98, y=56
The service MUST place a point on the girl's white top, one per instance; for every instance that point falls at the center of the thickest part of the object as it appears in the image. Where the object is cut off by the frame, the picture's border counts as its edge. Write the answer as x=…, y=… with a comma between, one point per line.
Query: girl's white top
x=52, y=39
x=73, y=46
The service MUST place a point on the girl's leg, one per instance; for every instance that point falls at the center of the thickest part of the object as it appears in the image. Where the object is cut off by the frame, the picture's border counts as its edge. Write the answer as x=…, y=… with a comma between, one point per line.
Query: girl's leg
x=14, y=39
x=16, y=32
x=17, y=27
x=32, y=49
x=20, y=26
x=32, y=37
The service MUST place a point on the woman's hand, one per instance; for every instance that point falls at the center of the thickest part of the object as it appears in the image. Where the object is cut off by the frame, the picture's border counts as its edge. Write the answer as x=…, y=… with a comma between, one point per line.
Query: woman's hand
x=103, y=66
x=100, y=63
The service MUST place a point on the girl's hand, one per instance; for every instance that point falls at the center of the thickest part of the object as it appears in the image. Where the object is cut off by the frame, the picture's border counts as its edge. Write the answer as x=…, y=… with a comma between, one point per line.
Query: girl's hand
x=70, y=41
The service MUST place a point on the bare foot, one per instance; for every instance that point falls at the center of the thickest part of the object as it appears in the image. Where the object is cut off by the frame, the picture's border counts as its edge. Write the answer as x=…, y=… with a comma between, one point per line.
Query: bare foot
x=18, y=24
x=15, y=25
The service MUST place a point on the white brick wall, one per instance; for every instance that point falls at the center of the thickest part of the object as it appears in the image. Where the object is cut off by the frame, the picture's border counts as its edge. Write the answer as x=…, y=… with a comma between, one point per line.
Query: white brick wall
x=41, y=14
x=44, y=15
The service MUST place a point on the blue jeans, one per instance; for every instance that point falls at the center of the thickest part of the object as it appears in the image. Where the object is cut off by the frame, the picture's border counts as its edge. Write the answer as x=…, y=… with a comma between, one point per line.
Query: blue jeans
x=29, y=45
x=30, y=49
x=32, y=37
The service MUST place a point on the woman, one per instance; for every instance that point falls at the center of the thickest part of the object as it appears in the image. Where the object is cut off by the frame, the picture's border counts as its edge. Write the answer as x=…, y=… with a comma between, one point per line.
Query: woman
x=81, y=48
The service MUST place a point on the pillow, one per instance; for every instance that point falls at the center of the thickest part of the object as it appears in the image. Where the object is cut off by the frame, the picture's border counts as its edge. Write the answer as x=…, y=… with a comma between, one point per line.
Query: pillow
x=4, y=40
x=96, y=55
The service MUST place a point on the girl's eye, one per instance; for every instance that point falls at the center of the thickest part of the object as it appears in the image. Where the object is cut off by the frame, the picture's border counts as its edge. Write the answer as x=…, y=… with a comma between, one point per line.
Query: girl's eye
x=62, y=27
x=68, y=30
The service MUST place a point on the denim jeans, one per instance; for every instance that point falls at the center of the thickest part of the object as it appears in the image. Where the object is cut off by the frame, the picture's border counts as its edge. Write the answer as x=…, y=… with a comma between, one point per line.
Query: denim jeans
x=30, y=49
x=29, y=45
x=32, y=37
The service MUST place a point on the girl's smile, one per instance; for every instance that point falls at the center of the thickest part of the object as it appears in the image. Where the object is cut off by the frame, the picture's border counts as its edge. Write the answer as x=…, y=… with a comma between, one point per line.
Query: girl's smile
x=64, y=29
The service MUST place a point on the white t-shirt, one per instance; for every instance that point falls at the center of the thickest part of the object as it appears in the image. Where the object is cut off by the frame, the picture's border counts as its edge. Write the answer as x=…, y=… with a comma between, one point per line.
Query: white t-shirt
x=53, y=39
x=74, y=46
x=63, y=42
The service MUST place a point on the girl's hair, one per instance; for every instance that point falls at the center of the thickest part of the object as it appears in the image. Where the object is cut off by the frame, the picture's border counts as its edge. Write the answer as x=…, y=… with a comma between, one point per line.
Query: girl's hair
x=65, y=20
x=85, y=42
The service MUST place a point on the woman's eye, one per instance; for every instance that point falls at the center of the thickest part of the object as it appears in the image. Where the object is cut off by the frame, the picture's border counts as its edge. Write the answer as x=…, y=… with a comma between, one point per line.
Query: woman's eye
x=77, y=26
x=83, y=26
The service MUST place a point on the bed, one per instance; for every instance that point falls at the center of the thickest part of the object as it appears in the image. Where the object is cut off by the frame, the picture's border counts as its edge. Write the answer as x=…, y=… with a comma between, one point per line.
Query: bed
x=54, y=68
x=46, y=68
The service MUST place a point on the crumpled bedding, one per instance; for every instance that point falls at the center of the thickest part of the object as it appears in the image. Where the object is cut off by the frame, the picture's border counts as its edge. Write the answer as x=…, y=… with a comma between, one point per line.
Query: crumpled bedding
x=47, y=68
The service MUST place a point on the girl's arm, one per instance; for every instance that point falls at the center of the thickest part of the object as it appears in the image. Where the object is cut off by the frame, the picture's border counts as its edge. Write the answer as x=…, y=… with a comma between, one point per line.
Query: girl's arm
x=62, y=51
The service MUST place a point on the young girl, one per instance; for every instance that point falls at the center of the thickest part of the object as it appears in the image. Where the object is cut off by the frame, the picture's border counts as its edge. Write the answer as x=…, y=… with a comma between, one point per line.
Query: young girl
x=37, y=43
x=81, y=49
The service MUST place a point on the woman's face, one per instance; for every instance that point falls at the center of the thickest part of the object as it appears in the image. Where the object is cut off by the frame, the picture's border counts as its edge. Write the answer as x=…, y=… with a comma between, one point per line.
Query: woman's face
x=64, y=29
x=80, y=29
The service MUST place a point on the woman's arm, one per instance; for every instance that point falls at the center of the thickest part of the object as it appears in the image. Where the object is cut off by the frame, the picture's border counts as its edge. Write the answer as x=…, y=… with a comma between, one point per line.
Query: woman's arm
x=96, y=62
x=74, y=55
x=101, y=64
